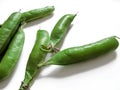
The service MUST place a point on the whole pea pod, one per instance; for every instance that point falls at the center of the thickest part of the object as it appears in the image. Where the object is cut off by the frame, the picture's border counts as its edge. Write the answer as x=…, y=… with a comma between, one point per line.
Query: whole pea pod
x=8, y=29
x=61, y=28
x=37, y=13
x=83, y=53
x=37, y=55
x=12, y=55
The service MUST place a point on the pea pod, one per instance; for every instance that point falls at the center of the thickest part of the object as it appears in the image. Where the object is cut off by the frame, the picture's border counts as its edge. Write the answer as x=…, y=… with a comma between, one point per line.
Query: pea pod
x=36, y=56
x=8, y=29
x=65, y=20
x=34, y=14
x=83, y=53
x=12, y=55
x=37, y=13
x=61, y=28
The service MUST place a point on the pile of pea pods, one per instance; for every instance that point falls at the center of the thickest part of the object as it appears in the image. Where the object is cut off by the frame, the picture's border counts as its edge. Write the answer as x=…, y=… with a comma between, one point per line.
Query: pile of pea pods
x=12, y=41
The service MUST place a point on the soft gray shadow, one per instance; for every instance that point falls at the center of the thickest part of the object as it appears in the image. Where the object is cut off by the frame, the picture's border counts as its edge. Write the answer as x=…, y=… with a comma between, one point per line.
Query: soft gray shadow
x=5, y=82
x=70, y=70
x=38, y=21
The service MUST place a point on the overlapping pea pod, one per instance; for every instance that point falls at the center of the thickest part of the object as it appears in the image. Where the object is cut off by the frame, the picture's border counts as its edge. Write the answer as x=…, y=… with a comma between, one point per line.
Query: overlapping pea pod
x=9, y=29
x=34, y=14
x=41, y=48
x=12, y=55
x=83, y=53
x=10, y=26
x=36, y=56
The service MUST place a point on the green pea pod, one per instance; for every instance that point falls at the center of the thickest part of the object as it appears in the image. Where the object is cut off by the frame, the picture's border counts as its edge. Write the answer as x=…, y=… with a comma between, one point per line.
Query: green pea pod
x=61, y=28
x=12, y=55
x=8, y=29
x=36, y=56
x=37, y=13
x=83, y=53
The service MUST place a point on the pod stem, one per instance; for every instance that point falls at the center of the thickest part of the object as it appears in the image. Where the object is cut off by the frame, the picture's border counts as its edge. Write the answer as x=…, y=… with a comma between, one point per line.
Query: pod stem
x=25, y=86
x=19, y=10
x=49, y=48
x=45, y=48
x=76, y=14
x=22, y=87
x=117, y=37
x=55, y=49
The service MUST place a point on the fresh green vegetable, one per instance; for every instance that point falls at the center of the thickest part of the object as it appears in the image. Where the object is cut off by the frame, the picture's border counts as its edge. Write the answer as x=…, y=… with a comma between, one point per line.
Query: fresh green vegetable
x=8, y=29
x=61, y=28
x=34, y=14
x=41, y=48
x=12, y=55
x=37, y=55
x=37, y=13
x=83, y=53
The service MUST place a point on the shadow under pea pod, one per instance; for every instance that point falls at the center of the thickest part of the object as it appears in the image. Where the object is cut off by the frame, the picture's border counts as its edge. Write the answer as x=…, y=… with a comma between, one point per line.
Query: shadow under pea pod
x=74, y=69
x=4, y=83
x=38, y=21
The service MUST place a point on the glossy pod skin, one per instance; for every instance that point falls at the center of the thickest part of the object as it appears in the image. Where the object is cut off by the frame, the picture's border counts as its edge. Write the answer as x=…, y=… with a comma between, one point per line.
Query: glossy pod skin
x=12, y=55
x=61, y=28
x=34, y=14
x=36, y=56
x=37, y=13
x=8, y=29
x=32, y=68
x=83, y=53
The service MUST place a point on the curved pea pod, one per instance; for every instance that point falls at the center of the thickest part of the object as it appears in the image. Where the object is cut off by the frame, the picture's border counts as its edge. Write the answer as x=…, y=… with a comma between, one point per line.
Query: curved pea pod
x=37, y=13
x=37, y=55
x=83, y=53
x=61, y=28
x=8, y=29
x=12, y=55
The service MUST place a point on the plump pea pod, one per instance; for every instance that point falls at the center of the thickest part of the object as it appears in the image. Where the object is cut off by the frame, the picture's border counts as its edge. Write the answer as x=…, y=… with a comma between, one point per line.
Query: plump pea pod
x=12, y=55
x=83, y=53
x=64, y=22
x=8, y=29
x=61, y=28
x=37, y=13
x=37, y=55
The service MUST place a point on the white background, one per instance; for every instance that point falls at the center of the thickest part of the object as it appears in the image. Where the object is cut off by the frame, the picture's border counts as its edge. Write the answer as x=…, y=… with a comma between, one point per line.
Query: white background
x=96, y=19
